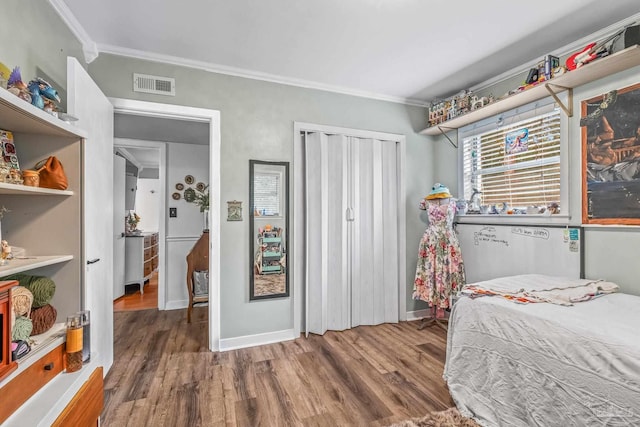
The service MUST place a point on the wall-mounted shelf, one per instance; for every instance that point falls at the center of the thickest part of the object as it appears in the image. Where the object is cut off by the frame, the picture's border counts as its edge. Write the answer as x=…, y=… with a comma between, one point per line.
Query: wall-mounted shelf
x=18, y=265
x=17, y=189
x=19, y=116
x=598, y=69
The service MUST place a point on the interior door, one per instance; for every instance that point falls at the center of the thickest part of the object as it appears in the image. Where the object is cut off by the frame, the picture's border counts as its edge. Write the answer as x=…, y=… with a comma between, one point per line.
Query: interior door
x=86, y=101
x=119, y=189
x=351, y=232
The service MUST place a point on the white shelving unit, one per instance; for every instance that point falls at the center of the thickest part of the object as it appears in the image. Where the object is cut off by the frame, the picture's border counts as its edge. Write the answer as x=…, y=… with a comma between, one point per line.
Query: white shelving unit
x=48, y=224
x=595, y=70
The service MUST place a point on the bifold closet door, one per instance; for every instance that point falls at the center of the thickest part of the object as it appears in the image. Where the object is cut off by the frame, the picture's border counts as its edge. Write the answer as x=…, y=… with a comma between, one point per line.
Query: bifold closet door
x=351, y=237
x=374, y=197
x=326, y=233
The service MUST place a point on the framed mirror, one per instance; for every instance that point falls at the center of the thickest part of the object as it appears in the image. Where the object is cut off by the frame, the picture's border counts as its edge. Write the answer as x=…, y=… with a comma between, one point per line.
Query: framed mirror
x=268, y=229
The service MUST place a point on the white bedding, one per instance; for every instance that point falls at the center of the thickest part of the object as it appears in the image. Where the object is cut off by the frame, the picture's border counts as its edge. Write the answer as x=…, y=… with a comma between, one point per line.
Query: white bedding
x=541, y=364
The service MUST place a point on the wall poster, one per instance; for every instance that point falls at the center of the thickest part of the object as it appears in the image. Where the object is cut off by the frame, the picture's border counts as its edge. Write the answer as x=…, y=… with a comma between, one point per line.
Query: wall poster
x=611, y=157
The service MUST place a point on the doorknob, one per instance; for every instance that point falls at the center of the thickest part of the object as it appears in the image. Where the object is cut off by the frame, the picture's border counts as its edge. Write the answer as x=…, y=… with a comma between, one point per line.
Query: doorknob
x=93, y=261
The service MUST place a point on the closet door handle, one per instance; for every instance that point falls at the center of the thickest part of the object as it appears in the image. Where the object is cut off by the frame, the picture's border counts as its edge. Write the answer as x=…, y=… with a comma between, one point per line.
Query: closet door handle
x=349, y=215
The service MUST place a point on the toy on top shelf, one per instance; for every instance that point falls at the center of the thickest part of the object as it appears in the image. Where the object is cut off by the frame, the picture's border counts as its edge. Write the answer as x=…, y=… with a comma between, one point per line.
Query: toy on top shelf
x=16, y=86
x=459, y=104
x=43, y=95
x=4, y=75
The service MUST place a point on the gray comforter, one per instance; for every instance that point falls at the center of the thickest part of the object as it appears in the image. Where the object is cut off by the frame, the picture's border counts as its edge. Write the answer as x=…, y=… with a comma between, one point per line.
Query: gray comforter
x=510, y=364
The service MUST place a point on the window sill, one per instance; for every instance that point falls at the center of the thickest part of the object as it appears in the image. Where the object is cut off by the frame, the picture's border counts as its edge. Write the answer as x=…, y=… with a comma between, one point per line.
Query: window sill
x=539, y=219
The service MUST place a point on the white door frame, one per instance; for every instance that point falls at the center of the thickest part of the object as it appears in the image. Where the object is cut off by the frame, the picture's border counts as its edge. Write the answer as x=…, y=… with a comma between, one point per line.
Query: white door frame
x=298, y=212
x=179, y=112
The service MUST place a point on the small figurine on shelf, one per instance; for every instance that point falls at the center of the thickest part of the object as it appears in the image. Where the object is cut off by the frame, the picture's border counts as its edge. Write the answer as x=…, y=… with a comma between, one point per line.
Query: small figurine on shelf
x=132, y=221
x=16, y=86
x=43, y=95
x=6, y=252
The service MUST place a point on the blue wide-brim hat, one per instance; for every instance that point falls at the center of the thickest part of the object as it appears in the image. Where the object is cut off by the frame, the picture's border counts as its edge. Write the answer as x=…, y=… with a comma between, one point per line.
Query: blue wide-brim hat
x=439, y=191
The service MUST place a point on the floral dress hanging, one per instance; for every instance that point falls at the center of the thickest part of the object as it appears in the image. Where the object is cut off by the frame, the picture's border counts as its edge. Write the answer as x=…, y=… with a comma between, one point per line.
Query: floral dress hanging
x=440, y=269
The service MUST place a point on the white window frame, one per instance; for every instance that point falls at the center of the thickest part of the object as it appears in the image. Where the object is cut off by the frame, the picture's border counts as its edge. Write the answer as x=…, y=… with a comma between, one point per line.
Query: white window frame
x=507, y=118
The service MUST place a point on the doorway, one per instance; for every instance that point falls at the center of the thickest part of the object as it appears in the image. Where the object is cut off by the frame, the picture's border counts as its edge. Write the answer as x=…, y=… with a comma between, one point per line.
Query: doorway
x=139, y=264
x=156, y=115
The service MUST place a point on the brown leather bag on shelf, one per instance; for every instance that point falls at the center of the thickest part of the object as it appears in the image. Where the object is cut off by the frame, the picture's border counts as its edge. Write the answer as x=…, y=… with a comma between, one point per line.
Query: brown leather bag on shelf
x=52, y=174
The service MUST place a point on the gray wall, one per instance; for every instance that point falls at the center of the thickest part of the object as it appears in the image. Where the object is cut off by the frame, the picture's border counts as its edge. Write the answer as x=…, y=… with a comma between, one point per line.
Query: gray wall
x=35, y=39
x=257, y=123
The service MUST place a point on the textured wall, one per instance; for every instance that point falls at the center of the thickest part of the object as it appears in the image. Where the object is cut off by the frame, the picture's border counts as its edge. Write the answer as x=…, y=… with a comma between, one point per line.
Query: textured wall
x=35, y=39
x=257, y=123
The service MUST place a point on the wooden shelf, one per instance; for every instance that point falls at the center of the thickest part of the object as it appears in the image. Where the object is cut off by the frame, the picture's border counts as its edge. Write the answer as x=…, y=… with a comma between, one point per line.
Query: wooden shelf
x=42, y=344
x=18, y=265
x=17, y=115
x=18, y=189
x=598, y=69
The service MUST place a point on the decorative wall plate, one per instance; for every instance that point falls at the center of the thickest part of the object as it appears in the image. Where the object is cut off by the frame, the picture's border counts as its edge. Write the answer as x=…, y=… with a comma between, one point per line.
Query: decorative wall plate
x=189, y=195
x=189, y=179
x=200, y=186
x=176, y=196
x=179, y=186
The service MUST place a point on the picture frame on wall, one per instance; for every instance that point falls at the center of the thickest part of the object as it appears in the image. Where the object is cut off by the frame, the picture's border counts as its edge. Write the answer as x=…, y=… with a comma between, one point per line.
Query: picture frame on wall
x=234, y=210
x=611, y=157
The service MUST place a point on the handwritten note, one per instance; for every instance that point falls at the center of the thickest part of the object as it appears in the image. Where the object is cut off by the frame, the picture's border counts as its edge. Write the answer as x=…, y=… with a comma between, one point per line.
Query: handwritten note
x=488, y=235
x=539, y=233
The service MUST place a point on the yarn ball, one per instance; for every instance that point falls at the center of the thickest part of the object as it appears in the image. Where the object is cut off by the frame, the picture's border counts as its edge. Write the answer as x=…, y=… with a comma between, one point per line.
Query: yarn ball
x=41, y=287
x=22, y=299
x=43, y=319
x=21, y=329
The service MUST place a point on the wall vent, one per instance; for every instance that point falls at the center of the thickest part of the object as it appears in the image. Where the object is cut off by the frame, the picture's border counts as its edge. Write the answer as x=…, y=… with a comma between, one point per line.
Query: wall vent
x=154, y=84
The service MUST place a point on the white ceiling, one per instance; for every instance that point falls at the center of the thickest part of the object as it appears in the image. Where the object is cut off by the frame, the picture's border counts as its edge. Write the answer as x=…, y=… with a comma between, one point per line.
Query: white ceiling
x=390, y=49
x=147, y=128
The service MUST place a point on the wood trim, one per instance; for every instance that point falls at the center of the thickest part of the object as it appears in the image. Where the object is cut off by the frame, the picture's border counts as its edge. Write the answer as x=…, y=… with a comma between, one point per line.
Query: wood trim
x=86, y=406
x=21, y=388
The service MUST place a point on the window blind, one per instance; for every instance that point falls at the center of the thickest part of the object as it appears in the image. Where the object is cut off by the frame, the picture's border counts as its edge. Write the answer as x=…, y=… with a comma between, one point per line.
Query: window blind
x=266, y=193
x=518, y=163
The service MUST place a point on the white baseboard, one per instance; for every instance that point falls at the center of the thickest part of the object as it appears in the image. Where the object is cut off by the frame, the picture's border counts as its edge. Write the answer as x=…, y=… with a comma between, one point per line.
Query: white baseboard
x=227, y=344
x=417, y=315
x=177, y=304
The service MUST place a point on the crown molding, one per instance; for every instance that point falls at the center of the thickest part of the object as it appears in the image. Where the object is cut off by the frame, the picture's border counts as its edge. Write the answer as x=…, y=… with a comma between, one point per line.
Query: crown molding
x=89, y=47
x=249, y=74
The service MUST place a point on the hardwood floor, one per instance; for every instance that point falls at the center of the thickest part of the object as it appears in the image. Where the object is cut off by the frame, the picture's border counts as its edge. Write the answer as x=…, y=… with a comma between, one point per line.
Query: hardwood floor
x=371, y=375
x=134, y=300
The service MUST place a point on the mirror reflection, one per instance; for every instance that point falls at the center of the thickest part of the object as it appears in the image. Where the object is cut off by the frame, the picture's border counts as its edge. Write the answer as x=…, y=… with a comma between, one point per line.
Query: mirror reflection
x=269, y=224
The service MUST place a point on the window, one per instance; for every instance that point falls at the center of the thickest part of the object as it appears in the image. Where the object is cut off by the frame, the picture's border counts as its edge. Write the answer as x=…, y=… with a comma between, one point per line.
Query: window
x=266, y=193
x=514, y=159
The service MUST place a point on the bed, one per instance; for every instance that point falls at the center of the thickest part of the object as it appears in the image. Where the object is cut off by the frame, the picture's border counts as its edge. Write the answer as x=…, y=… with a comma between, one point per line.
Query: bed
x=544, y=364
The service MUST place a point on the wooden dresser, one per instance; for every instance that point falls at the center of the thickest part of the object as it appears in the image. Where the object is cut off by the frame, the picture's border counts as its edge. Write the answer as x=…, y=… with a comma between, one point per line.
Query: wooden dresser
x=141, y=258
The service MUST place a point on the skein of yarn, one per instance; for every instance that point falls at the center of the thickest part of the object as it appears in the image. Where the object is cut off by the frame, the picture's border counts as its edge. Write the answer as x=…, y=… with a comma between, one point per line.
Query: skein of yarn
x=21, y=329
x=43, y=319
x=22, y=300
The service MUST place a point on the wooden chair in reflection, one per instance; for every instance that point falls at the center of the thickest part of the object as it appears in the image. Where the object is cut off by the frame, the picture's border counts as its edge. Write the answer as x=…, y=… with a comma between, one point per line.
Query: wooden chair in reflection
x=197, y=260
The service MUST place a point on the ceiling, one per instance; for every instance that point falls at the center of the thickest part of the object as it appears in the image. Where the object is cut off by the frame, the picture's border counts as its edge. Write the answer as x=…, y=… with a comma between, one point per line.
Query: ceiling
x=146, y=128
x=401, y=50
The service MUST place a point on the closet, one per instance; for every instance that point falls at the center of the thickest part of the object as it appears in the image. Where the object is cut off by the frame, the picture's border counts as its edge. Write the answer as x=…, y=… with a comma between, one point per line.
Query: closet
x=351, y=239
